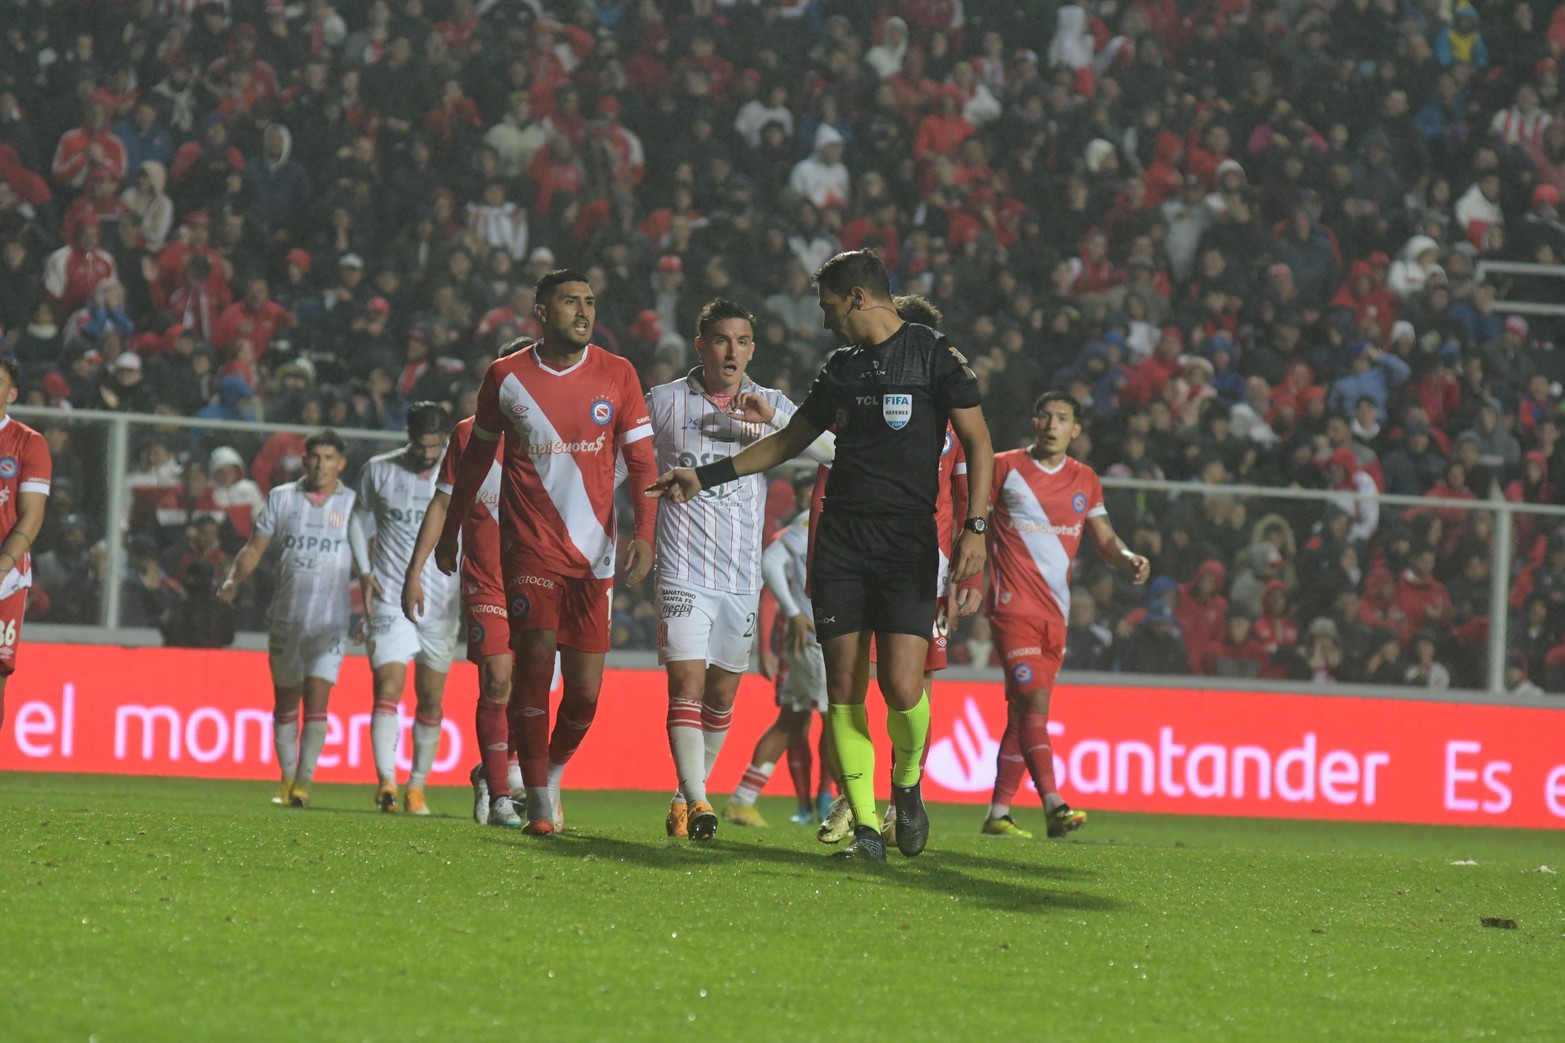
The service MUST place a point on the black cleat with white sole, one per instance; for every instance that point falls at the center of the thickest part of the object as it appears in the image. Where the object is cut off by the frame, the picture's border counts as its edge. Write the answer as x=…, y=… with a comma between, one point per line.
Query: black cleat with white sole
x=866, y=847
x=912, y=819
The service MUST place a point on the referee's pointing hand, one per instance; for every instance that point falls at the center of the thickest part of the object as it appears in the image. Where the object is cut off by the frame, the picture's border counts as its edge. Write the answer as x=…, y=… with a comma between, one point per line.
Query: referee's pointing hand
x=680, y=485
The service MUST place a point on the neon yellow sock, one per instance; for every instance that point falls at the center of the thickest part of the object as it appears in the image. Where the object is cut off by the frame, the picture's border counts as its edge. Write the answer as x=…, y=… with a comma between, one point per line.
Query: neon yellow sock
x=909, y=731
x=849, y=725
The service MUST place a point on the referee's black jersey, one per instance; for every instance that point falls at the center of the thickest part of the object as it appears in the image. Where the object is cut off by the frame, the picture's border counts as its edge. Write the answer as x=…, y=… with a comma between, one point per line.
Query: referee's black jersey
x=890, y=403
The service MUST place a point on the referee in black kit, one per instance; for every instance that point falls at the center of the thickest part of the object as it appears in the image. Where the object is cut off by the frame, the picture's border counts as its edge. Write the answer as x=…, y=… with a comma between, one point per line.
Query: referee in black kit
x=889, y=393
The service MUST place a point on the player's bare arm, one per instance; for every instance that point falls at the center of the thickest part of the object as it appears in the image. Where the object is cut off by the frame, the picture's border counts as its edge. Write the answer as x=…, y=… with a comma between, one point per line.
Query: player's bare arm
x=29, y=519
x=428, y=535
x=1112, y=549
x=474, y=466
x=682, y=484
x=245, y=562
x=359, y=546
x=967, y=557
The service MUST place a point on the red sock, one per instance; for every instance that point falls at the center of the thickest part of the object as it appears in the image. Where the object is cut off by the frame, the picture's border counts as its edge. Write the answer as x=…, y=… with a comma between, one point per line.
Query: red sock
x=799, y=767
x=578, y=706
x=1009, y=767
x=494, y=746
x=530, y=717
x=1038, y=753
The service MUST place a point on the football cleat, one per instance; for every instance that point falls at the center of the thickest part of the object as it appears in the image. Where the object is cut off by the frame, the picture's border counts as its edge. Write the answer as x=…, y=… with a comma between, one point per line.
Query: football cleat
x=386, y=799
x=298, y=796
x=866, y=847
x=837, y=826
x=703, y=821
x=538, y=827
x=823, y=805
x=912, y=820
x=678, y=821
x=501, y=812
x=281, y=796
x=803, y=815
x=1063, y=820
x=413, y=800
x=742, y=815
x=1004, y=826
x=480, y=794
x=888, y=825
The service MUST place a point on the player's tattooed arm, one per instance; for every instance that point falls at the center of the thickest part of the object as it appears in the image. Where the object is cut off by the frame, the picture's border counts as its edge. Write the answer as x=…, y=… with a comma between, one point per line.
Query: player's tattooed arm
x=1112, y=549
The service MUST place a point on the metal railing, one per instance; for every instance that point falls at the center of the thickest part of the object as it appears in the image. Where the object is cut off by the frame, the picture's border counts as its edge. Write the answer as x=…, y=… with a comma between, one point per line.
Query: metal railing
x=1530, y=268
x=118, y=432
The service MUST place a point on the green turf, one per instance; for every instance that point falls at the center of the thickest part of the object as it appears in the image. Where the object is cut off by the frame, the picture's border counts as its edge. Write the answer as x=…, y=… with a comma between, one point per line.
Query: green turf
x=181, y=910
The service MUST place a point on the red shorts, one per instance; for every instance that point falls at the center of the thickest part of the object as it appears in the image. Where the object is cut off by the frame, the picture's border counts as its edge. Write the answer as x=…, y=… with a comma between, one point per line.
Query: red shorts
x=488, y=628
x=11, y=610
x=1031, y=651
x=576, y=608
x=935, y=658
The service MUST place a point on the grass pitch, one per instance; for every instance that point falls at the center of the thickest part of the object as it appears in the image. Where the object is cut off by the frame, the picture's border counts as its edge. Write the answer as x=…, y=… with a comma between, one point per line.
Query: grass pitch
x=181, y=910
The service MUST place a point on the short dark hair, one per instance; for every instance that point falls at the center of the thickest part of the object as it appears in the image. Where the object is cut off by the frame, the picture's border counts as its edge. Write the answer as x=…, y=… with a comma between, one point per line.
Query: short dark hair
x=514, y=345
x=550, y=280
x=718, y=309
x=13, y=369
x=915, y=307
x=1048, y=397
x=328, y=438
x=427, y=418
x=862, y=268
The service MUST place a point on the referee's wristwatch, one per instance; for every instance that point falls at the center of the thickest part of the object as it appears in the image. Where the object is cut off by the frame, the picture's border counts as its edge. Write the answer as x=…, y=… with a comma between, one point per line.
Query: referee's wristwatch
x=977, y=526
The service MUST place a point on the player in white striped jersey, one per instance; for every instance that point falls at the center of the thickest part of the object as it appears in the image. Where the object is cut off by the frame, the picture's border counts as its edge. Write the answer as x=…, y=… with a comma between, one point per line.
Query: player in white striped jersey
x=709, y=549
x=785, y=569
x=394, y=492
x=312, y=522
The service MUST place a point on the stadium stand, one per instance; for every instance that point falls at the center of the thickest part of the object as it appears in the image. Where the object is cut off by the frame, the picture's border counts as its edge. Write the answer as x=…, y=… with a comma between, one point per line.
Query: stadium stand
x=1246, y=234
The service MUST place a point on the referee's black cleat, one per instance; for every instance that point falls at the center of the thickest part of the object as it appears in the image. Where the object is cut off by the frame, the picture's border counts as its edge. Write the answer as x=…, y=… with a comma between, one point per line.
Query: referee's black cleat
x=912, y=819
x=866, y=847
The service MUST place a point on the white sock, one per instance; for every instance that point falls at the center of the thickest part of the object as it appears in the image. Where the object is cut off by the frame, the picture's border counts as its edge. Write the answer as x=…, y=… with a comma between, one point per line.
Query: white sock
x=310, y=742
x=426, y=739
x=999, y=810
x=285, y=741
x=751, y=785
x=384, y=729
x=513, y=776
x=714, y=729
x=685, y=742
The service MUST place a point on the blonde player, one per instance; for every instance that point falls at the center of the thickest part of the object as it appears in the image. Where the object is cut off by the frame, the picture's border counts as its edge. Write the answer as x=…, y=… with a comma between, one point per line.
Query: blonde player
x=395, y=489
x=311, y=520
x=708, y=550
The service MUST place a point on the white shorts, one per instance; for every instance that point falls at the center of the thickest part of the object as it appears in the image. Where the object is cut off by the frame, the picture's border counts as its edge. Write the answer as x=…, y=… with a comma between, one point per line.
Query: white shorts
x=710, y=625
x=297, y=654
x=393, y=639
x=805, y=687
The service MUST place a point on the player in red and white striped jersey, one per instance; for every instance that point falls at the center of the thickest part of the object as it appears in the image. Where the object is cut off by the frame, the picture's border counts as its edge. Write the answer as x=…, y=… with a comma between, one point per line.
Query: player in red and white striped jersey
x=1044, y=502
x=25, y=472
x=567, y=409
x=709, y=552
x=498, y=774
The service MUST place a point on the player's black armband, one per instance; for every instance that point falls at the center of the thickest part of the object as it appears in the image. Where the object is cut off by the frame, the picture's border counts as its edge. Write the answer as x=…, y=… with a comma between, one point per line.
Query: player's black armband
x=718, y=472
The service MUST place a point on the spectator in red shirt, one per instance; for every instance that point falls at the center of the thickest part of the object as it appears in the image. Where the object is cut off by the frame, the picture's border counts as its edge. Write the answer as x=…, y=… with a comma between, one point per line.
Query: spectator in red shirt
x=73, y=272
x=255, y=317
x=1423, y=599
x=89, y=146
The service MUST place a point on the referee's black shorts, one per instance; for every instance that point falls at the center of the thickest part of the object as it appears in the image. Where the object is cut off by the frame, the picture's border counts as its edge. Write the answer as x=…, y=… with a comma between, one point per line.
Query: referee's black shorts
x=876, y=573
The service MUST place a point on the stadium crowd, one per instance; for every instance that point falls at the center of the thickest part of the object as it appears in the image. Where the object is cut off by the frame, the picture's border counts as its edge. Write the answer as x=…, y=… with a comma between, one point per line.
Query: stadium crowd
x=1244, y=234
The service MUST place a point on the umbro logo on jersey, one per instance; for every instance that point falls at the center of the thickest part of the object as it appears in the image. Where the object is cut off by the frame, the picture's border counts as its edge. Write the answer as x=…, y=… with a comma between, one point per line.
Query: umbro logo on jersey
x=602, y=411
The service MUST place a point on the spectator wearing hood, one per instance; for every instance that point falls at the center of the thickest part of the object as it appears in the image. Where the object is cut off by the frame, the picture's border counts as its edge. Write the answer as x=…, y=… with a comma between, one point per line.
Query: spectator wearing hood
x=1275, y=627
x=236, y=496
x=1202, y=611
x=152, y=206
x=1156, y=646
x=235, y=400
x=280, y=184
x=821, y=177
x=1462, y=43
